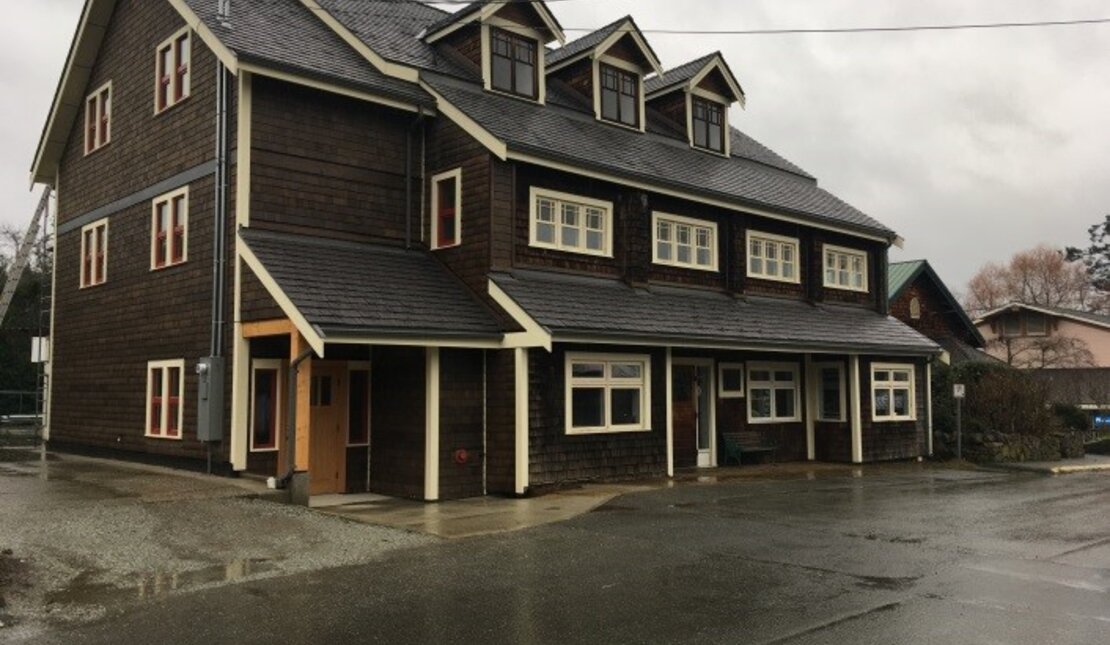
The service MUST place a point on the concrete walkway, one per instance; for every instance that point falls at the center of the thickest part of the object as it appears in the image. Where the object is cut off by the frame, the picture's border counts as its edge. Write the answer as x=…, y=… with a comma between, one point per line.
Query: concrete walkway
x=1088, y=464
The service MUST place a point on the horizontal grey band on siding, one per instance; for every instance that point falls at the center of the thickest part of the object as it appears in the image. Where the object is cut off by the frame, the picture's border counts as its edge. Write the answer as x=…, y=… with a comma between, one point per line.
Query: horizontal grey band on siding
x=145, y=195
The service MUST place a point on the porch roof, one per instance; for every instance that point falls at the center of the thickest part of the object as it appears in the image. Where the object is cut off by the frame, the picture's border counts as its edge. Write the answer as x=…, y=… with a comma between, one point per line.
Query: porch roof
x=355, y=291
x=579, y=308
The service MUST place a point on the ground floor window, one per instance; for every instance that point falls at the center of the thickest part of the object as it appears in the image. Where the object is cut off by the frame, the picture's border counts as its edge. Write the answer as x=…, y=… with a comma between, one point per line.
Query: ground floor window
x=830, y=392
x=607, y=393
x=892, y=392
x=165, y=396
x=265, y=404
x=773, y=392
x=358, y=413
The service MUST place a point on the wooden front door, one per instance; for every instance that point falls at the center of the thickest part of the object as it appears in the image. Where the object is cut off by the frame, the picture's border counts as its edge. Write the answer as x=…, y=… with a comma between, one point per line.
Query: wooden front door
x=328, y=431
x=684, y=407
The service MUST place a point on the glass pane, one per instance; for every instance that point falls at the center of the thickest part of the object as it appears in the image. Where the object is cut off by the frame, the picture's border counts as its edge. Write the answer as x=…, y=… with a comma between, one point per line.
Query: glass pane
x=703, y=237
x=683, y=234
x=570, y=237
x=595, y=241
x=732, y=379
x=684, y=253
x=772, y=251
x=630, y=114
x=901, y=402
x=545, y=233
x=784, y=404
x=587, y=370
x=715, y=138
x=570, y=214
x=773, y=267
x=525, y=79
x=546, y=210
x=787, y=270
x=830, y=276
x=663, y=231
x=704, y=258
x=265, y=408
x=625, y=406
x=626, y=370
x=882, y=403
x=595, y=219
x=787, y=253
x=761, y=376
x=756, y=249
x=901, y=375
x=882, y=376
x=756, y=266
x=663, y=250
x=830, y=393
x=784, y=376
x=502, y=73
x=760, y=403
x=587, y=407
x=609, y=105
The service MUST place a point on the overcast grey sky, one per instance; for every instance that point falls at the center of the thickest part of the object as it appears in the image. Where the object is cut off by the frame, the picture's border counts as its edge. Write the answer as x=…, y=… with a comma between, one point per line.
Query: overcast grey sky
x=972, y=145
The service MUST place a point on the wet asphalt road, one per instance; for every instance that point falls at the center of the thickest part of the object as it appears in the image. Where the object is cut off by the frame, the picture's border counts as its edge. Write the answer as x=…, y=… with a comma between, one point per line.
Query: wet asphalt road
x=899, y=555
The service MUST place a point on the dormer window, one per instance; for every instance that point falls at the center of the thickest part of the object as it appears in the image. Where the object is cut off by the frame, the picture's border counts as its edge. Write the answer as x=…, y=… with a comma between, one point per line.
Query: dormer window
x=620, y=96
x=709, y=125
x=513, y=66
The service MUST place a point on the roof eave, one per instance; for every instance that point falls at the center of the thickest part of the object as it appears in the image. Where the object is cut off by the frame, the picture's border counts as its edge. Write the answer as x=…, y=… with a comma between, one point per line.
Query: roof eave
x=569, y=334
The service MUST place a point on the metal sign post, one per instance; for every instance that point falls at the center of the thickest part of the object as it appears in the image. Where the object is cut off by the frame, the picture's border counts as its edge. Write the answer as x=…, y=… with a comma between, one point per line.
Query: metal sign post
x=959, y=392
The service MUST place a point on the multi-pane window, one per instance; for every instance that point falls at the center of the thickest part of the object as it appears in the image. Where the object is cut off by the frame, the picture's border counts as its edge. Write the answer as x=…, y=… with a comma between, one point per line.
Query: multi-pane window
x=165, y=397
x=708, y=120
x=447, y=209
x=620, y=96
x=98, y=118
x=892, y=392
x=773, y=392
x=830, y=392
x=730, y=381
x=513, y=67
x=173, y=75
x=607, y=393
x=94, y=253
x=169, y=227
x=358, y=408
x=845, y=269
x=685, y=242
x=772, y=257
x=265, y=404
x=1035, y=324
x=570, y=223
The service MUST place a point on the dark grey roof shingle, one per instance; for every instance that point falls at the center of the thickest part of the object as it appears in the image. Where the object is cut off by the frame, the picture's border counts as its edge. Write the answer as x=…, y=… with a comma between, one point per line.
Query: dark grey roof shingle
x=680, y=74
x=565, y=135
x=601, y=307
x=589, y=41
x=350, y=289
x=285, y=34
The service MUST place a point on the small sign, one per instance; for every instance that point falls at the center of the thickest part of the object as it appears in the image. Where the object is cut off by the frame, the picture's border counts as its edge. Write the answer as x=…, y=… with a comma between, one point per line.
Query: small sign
x=959, y=391
x=40, y=349
x=1101, y=421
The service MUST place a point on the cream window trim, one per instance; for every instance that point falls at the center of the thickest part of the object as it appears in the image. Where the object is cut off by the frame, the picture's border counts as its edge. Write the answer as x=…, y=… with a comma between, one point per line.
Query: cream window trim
x=625, y=66
x=695, y=229
x=890, y=385
x=180, y=85
x=99, y=252
x=165, y=367
x=819, y=383
x=278, y=366
x=557, y=200
x=722, y=392
x=775, y=386
x=487, y=58
x=839, y=255
x=98, y=110
x=608, y=382
x=169, y=200
x=725, y=132
x=782, y=245
x=455, y=175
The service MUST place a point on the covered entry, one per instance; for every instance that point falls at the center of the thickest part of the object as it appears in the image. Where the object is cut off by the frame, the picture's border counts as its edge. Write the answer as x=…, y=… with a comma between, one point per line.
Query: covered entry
x=692, y=409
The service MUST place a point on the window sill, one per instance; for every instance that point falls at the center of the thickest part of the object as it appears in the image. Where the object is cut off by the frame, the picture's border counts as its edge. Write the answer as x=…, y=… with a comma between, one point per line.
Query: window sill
x=535, y=100
x=162, y=437
x=263, y=450
x=359, y=445
x=614, y=430
x=545, y=247
x=717, y=153
x=618, y=124
x=730, y=395
x=693, y=267
x=761, y=422
x=102, y=146
x=171, y=106
x=849, y=289
x=892, y=419
x=168, y=266
x=92, y=286
x=773, y=279
x=443, y=247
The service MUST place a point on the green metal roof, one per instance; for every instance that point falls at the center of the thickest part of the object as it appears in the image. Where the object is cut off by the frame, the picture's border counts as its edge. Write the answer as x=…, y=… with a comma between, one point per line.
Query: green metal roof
x=899, y=275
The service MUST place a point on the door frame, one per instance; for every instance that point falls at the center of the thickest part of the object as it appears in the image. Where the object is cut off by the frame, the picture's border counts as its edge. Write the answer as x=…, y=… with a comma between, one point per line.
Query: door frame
x=710, y=366
x=340, y=393
x=361, y=366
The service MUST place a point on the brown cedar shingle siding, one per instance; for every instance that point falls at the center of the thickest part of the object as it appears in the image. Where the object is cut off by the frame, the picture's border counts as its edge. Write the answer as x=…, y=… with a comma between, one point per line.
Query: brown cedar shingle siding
x=460, y=422
x=937, y=320
x=398, y=422
x=887, y=441
x=501, y=422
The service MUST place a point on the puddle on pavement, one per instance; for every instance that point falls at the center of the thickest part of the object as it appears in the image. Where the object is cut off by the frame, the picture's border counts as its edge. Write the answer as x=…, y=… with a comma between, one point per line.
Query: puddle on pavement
x=82, y=591
x=606, y=508
x=886, y=583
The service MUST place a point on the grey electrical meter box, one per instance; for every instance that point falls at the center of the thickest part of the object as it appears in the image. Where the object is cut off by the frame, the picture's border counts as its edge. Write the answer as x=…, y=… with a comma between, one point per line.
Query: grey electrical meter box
x=210, y=399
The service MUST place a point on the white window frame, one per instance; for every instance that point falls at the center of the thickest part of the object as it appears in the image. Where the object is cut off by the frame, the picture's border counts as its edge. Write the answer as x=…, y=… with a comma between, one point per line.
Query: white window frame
x=726, y=132
x=102, y=113
x=607, y=383
x=837, y=252
x=277, y=365
x=892, y=385
x=627, y=67
x=171, y=98
x=165, y=366
x=559, y=198
x=85, y=281
x=455, y=175
x=819, y=413
x=360, y=366
x=1026, y=316
x=722, y=393
x=915, y=308
x=675, y=221
x=753, y=384
x=168, y=199
x=487, y=57
x=780, y=240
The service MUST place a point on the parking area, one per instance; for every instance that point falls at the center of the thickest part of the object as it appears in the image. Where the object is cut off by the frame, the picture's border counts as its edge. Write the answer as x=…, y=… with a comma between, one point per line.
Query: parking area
x=901, y=553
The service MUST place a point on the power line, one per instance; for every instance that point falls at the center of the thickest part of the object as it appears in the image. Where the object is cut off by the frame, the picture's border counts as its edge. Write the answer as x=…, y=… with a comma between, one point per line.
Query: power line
x=858, y=30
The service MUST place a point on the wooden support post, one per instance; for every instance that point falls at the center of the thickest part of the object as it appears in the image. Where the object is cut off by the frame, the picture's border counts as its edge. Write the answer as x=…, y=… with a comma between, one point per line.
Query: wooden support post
x=297, y=346
x=520, y=357
x=855, y=409
x=811, y=385
x=431, y=417
x=669, y=367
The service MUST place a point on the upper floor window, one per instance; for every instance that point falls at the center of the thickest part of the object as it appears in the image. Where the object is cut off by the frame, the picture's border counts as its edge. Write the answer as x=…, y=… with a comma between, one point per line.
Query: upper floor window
x=685, y=242
x=94, y=253
x=892, y=392
x=772, y=257
x=708, y=121
x=607, y=393
x=845, y=268
x=620, y=96
x=571, y=223
x=165, y=397
x=1024, y=324
x=447, y=209
x=169, y=226
x=513, y=64
x=98, y=118
x=773, y=392
x=173, y=63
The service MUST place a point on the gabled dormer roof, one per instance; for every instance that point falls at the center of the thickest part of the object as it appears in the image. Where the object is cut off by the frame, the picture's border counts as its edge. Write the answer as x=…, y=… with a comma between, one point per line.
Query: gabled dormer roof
x=483, y=9
x=689, y=75
x=901, y=275
x=599, y=41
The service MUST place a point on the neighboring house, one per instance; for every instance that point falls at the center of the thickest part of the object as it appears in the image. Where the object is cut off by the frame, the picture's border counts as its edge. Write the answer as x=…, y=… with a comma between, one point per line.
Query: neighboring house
x=1035, y=337
x=919, y=298
x=456, y=260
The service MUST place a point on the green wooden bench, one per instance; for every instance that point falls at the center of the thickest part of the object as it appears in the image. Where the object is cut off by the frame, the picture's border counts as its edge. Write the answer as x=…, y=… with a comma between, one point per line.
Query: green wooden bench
x=738, y=444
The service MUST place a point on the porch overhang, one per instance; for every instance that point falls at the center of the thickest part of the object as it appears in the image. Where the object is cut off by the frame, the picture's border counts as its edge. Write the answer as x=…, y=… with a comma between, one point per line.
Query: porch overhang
x=339, y=292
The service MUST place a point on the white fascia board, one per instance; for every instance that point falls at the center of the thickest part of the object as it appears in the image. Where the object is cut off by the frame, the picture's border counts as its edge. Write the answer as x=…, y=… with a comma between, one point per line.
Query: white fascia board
x=226, y=56
x=287, y=307
x=386, y=67
x=333, y=88
x=469, y=125
x=534, y=335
